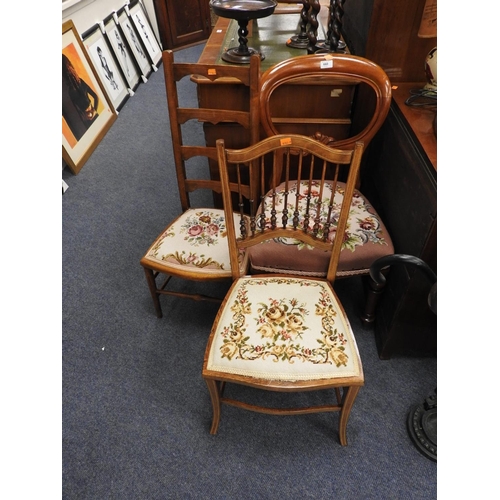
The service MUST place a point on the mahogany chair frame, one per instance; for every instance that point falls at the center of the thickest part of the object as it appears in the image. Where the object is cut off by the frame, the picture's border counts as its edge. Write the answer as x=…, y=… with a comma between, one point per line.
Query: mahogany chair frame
x=253, y=229
x=179, y=115
x=329, y=69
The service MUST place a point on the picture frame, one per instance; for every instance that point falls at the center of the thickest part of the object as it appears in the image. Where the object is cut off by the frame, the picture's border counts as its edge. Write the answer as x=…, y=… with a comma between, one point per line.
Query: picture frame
x=143, y=27
x=106, y=65
x=134, y=42
x=121, y=50
x=87, y=112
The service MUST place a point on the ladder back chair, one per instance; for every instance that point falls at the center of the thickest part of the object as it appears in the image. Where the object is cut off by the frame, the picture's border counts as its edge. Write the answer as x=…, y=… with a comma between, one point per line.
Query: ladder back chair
x=194, y=245
x=280, y=332
x=343, y=99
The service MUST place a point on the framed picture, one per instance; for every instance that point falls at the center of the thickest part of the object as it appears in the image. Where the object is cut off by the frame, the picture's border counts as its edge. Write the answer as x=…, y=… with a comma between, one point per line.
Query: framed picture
x=121, y=51
x=143, y=27
x=87, y=113
x=106, y=66
x=134, y=43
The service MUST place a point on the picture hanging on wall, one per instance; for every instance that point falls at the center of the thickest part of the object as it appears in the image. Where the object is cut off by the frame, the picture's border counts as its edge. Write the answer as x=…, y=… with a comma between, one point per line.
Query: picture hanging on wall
x=106, y=66
x=87, y=112
x=134, y=42
x=121, y=51
x=143, y=27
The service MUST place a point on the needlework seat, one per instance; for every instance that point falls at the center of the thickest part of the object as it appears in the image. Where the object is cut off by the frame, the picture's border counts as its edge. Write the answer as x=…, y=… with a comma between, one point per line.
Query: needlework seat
x=284, y=333
x=286, y=330
x=194, y=245
x=366, y=238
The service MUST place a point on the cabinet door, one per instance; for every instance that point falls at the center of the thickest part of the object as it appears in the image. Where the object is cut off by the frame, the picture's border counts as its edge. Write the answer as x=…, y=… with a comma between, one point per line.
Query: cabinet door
x=401, y=183
x=182, y=23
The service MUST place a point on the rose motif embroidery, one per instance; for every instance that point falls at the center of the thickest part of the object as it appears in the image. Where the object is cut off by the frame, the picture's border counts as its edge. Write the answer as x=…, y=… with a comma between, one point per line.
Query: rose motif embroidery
x=281, y=324
x=204, y=228
x=360, y=228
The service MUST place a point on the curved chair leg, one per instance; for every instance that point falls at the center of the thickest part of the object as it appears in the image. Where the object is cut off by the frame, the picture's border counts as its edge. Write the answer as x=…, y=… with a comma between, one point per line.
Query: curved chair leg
x=215, y=397
x=373, y=293
x=348, y=398
x=150, y=277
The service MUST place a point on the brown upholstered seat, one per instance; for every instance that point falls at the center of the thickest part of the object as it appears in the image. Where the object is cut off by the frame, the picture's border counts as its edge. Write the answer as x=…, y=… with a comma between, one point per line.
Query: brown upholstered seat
x=366, y=238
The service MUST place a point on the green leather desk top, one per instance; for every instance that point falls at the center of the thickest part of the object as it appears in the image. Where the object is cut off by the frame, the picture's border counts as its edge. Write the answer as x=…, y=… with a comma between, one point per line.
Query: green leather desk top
x=269, y=35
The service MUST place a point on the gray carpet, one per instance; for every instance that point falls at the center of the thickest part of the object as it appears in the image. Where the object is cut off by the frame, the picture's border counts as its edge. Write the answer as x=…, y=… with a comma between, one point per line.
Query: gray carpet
x=136, y=412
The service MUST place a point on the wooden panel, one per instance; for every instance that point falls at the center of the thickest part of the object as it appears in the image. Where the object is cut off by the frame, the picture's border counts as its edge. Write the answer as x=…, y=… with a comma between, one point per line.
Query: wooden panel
x=402, y=53
x=402, y=179
x=356, y=24
x=386, y=32
x=182, y=23
x=420, y=119
x=401, y=182
x=329, y=112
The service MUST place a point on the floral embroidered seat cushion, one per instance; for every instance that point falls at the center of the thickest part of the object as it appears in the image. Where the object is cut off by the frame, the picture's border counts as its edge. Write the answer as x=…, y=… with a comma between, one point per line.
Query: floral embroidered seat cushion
x=285, y=329
x=195, y=242
x=365, y=240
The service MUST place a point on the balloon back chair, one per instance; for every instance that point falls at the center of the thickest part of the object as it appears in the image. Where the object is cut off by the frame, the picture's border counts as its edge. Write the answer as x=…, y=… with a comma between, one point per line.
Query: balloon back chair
x=194, y=245
x=281, y=332
x=339, y=100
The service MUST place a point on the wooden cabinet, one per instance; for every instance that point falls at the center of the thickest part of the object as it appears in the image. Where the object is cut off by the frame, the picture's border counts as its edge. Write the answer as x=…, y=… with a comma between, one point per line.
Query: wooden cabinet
x=387, y=33
x=182, y=23
x=400, y=179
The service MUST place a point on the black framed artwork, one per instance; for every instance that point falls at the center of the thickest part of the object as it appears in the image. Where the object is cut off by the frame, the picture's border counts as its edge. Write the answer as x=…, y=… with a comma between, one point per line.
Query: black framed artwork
x=122, y=52
x=143, y=27
x=106, y=65
x=134, y=42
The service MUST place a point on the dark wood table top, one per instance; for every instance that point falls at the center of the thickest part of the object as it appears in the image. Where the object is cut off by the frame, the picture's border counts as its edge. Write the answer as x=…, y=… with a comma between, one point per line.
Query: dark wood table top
x=420, y=119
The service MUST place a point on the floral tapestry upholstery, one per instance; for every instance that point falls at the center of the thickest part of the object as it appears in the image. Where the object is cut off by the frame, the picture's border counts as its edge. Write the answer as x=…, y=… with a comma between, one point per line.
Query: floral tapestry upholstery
x=283, y=328
x=365, y=240
x=196, y=242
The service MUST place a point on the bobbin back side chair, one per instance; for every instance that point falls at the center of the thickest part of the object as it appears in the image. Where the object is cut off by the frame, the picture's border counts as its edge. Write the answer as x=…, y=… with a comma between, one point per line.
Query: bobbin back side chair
x=279, y=332
x=194, y=245
x=340, y=100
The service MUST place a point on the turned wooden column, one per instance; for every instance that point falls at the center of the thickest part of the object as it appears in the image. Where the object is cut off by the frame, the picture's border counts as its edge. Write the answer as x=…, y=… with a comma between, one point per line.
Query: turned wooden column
x=301, y=40
x=333, y=42
x=312, y=33
x=335, y=26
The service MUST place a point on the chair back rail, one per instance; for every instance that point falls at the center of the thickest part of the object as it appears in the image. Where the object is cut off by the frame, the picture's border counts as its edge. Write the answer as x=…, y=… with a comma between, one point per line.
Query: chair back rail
x=339, y=72
x=322, y=219
x=181, y=114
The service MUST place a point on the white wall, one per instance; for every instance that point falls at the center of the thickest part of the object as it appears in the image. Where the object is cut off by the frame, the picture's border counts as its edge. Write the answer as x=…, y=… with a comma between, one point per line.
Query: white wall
x=87, y=13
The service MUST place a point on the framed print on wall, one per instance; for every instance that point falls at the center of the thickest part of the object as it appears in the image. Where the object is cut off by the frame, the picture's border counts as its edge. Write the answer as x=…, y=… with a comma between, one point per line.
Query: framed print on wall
x=87, y=113
x=134, y=42
x=143, y=27
x=121, y=51
x=106, y=65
